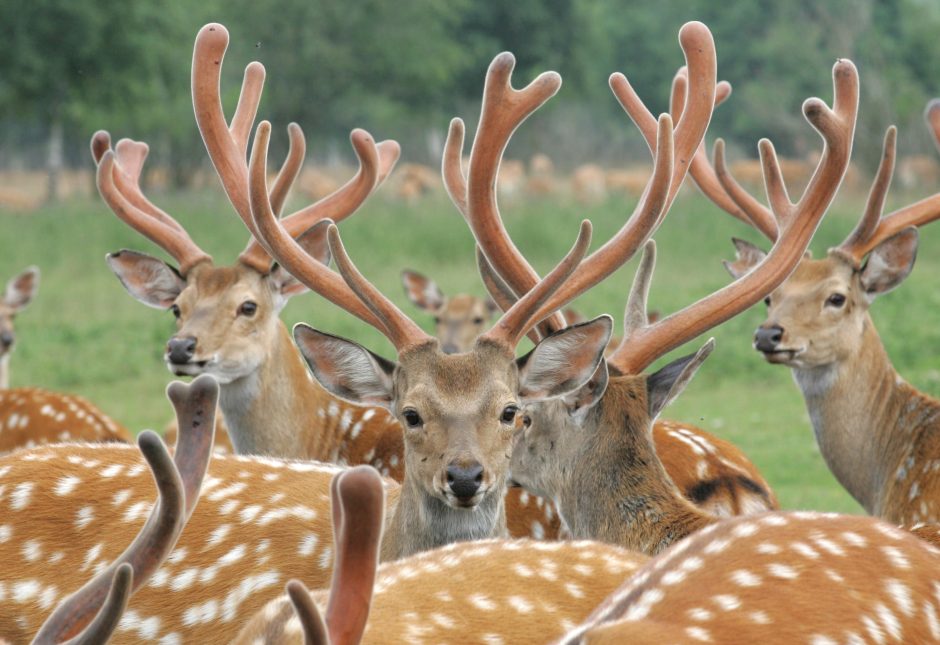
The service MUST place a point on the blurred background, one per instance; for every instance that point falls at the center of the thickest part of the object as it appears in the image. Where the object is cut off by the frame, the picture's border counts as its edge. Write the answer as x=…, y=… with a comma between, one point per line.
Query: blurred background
x=402, y=70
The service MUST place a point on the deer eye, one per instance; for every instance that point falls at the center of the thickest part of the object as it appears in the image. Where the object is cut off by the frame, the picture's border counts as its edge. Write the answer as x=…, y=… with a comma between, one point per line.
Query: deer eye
x=248, y=308
x=176, y=311
x=437, y=320
x=412, y=418
x=478, y=320
x=836, y=300
x=509, y=414
x=767, y=301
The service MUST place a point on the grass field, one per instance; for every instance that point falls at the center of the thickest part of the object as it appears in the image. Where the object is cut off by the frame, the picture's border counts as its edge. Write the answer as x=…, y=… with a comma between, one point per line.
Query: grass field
x=84, y=334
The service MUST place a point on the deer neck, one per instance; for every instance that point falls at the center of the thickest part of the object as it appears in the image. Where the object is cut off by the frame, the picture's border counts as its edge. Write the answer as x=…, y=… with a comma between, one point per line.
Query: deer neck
x=5, y=372
x=278, y=410
x=422, y=522
x=634, y=503
x=865, y=418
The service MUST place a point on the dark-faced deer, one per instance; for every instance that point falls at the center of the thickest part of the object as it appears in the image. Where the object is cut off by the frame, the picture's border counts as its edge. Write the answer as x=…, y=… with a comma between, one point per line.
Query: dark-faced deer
x=31, y=416
x=778, y=578
x=596, y=444
x=506, y=591
x=877, y=433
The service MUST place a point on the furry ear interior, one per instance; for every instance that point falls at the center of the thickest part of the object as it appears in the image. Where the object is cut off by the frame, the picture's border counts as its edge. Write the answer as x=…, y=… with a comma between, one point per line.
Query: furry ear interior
x=665, y=385
x=21, y=289
x=889, y=263
x=580, y=401
x=422, y=291
x=564, y=361
x=746, y=257
x=314, y=243
x=151, y=281
x=345, y=368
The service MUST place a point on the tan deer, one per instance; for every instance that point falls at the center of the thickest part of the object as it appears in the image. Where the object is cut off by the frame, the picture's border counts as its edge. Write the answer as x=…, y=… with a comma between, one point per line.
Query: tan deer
x=596, y=444
x=875, y=431
x=95, y=609
x=711, y=472
x=778, y=579
x=491, y=591
x=31, y=416
x=227, y=316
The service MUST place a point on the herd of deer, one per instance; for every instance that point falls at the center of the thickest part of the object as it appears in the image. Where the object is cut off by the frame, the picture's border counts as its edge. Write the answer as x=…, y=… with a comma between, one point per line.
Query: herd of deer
x=426, y=496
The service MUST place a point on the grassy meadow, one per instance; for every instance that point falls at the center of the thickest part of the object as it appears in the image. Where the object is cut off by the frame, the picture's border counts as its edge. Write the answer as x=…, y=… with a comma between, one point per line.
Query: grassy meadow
x=84, y=334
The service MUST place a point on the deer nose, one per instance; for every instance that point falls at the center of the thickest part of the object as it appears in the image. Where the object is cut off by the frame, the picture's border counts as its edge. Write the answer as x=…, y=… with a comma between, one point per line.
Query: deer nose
x=6, y=339
x=449, y=348
x=181, y=350
x=464, y=481
x=766, y=338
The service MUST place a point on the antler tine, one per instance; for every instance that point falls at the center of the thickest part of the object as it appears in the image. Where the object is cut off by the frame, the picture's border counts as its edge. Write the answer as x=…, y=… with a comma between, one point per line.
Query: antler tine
x=874, y=206
x=932, y=115
x=499, y=291
x=503, y=110
x=397, y=327
x=285, y=249
x=636, y=315
x=513, y=324
x=291, y=167
x=361, y=496
x=173, y=240
x=455, y=179
x=797, y=225
x=756, y=213
x=311, y=622
x=195, y=407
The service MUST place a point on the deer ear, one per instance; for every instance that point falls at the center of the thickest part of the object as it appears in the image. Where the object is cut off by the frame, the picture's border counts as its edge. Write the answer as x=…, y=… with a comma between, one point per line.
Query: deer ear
x=580, y=401
x=422, y=291
x=564, y=361
x=665, y=385
x=151, y=281
x=889, y=263
x=746, y=257
x=314, y=243
x=22, y=289
x=345, y=368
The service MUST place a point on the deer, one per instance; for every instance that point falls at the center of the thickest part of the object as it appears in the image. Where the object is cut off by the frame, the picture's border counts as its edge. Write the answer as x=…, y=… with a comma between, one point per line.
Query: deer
x=712, y=473
x=597, y=443
x=92, y=614
x=798, y=577
x=875, y=431
x=509, y=591
x=31, y=416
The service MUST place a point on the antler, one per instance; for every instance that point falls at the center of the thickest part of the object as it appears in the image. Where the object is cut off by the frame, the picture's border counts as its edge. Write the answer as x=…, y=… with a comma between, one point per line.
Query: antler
x=227, y=146
x=118, y=179
x=178, y=482
x=671, y=148
x=872, y=228
x=358, y=505
x=642, y=344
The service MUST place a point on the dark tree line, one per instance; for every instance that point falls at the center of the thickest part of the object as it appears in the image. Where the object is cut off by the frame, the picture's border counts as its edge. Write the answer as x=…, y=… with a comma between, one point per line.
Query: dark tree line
x=402, y=69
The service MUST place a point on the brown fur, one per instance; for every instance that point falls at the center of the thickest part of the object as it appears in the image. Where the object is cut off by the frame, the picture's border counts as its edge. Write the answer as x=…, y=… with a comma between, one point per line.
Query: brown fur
x=778, y=578
x=488, y=591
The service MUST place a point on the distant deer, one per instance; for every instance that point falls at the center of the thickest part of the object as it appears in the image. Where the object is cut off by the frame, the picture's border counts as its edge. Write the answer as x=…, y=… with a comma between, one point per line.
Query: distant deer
x=596, y=444
x=31, y=416
x=778, y=579
x=509, y=591
x=877, y=433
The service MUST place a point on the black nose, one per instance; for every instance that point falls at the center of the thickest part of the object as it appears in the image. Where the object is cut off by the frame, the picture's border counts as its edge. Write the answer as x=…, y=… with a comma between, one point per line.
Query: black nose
x=181, y=350
x=766, y=339
x=6, y=339
x=449, y=348
x=464, y=481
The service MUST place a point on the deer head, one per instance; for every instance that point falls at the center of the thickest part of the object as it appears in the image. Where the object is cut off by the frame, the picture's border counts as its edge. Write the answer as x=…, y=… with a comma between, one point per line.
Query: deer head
x=20, y=291
x=458, y=320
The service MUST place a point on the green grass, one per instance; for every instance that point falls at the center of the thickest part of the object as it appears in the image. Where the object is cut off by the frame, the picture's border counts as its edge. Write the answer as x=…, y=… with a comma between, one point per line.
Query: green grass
x=84, y=334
